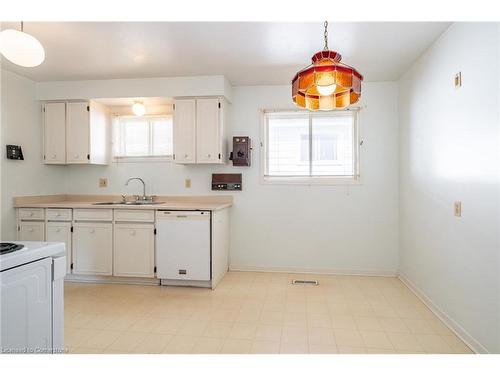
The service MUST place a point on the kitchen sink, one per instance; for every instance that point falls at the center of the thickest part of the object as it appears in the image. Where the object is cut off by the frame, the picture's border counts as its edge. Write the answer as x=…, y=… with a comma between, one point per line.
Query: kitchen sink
x=133, y=203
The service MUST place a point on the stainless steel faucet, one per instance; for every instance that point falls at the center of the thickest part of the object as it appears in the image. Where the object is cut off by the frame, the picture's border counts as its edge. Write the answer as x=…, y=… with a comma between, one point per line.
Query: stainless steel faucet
x=144, y=197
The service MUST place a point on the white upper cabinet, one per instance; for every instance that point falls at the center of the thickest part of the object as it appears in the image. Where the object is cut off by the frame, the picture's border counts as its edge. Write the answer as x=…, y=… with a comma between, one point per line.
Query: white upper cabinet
x=78, y=133
x=199, y=132
x=86, y=133
x=75, y=133
x=208, y=129
x=185, y=131
x=54, y=133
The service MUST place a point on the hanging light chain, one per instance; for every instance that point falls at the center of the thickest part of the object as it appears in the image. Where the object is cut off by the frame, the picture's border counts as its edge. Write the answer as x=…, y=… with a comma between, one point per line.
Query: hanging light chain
x=326, y=36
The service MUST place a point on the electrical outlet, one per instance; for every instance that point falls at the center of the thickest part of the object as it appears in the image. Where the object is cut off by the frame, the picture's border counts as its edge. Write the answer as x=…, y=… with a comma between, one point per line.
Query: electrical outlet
x=103, y=182
x=457, y=79
x=457, y=208
x=187, y=183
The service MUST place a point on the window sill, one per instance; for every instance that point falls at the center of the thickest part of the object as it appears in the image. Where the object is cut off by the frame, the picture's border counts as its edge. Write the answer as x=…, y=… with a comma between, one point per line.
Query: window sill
x=327, y=180
x=142, y=159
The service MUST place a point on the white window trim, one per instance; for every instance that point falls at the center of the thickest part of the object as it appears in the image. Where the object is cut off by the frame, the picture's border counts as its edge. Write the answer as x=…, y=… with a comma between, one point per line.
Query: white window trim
x=138, y=159
x=308, y=180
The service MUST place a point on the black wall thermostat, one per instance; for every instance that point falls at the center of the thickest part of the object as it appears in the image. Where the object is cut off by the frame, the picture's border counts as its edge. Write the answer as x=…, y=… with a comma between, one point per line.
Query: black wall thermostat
x=14, y=152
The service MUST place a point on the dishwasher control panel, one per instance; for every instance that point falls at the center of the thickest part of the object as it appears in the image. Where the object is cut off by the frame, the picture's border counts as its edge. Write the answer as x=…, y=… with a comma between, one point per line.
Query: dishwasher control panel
x=226, y=181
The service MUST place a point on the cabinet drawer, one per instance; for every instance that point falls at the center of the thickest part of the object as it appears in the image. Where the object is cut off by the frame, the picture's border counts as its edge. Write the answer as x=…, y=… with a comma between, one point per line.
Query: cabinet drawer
x=59, y=214
x=91, y=214
x=147, y=216
x=31, y=214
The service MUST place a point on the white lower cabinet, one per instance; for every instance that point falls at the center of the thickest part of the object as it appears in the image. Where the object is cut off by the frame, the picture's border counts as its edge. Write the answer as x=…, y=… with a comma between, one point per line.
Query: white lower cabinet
x=93, y=248
x=133, y=250
x=61, y=232
x=31, y=231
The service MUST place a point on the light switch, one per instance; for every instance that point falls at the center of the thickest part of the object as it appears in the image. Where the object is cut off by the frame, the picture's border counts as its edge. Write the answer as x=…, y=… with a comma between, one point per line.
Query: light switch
x=457, y=207
x=103, y=182
x=458, y=80
x=187, y=183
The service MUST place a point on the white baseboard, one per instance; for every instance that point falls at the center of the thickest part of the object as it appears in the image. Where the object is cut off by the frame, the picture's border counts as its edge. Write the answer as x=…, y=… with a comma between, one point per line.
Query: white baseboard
x=110, y=280
x=320, y=271
x=468, y=339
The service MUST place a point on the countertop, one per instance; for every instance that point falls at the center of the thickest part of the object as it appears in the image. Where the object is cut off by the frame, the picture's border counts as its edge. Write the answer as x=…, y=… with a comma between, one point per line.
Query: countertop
x=207, y=203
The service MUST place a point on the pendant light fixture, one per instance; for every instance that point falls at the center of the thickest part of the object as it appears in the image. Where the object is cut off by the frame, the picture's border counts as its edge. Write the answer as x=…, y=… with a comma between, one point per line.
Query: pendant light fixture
x=138, y=108
x=21, y=48
x=326, y=84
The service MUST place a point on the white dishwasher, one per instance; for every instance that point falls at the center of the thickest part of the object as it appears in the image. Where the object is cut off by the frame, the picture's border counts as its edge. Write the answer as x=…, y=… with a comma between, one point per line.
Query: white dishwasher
x=183, y=245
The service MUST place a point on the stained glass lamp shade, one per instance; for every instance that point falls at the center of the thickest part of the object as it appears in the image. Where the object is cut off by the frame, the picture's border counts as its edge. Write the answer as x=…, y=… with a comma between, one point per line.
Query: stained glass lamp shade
x=326, y=84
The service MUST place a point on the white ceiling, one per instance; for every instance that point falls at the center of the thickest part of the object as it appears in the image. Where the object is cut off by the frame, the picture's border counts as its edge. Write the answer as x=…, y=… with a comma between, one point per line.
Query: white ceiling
x=247, y=53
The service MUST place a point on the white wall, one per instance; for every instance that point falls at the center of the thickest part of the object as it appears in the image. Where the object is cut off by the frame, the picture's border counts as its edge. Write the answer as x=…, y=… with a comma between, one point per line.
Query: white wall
x=21, y=124
x=292, y=227
x=449, y=152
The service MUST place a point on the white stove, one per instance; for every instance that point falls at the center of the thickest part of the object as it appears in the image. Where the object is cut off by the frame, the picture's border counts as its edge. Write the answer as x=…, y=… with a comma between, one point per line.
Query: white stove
x=32, y=296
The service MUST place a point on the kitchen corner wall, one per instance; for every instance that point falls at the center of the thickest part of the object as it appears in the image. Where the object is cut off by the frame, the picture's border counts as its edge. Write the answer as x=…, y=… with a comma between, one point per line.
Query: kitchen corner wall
x=449, y=151
x=21, y=124
x=317, y=228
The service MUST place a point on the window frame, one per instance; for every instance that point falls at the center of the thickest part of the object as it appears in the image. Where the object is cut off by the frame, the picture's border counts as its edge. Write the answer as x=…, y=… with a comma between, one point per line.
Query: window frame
x=142, y=158
x=310, y=180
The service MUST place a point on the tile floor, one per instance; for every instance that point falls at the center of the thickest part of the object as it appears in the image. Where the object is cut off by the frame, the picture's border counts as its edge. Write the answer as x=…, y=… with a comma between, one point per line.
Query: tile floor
x=253, y=312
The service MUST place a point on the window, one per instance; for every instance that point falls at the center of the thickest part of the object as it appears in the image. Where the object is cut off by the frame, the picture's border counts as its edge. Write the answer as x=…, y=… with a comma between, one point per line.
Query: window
x=143, y=137
x=310, y=147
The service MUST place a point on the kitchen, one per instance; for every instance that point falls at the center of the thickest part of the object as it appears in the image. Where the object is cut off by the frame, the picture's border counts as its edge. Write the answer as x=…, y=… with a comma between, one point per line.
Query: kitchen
x=205, y=207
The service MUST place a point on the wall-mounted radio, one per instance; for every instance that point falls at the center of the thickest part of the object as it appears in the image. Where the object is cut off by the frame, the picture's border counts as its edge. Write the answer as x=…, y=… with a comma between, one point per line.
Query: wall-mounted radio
x=226, y=181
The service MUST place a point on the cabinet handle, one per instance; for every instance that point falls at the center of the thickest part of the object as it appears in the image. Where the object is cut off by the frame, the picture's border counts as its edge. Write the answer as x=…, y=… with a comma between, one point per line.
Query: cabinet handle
x=58, y=230
x=77, y=156
x=209, y=156
x=132, y=232
x=30, y=230
x=182, y=216
x=185, y=156
x=92, y=231
x=58, y=214
x=30, y=214
x=54, y=156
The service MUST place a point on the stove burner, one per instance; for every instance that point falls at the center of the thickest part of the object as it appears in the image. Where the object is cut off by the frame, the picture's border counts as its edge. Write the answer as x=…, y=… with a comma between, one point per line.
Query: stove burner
x=9, y=247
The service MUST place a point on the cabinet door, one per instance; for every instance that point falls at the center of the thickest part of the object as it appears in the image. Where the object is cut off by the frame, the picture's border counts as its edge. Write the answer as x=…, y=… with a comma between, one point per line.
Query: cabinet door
x=61, y=232
x=77, y=133
x=54, y=133
x=92, y=248
x=208, y=135
x=133, y=253
x=185, y=131
x=31, y=231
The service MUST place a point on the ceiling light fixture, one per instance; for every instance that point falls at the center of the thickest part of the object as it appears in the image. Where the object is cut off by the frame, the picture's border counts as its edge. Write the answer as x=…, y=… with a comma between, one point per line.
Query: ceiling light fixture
x=138, y=108
x=326, y=84
x=21, y=48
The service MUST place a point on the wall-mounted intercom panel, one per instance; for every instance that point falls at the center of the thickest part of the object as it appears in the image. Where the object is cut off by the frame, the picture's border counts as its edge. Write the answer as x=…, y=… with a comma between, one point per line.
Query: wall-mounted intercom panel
x=241, y=155
x=14, y=152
